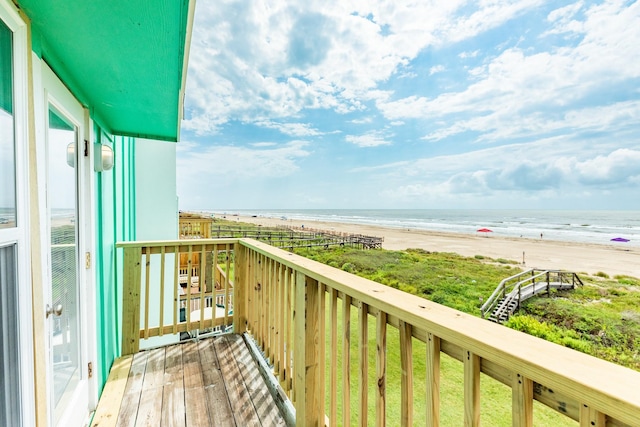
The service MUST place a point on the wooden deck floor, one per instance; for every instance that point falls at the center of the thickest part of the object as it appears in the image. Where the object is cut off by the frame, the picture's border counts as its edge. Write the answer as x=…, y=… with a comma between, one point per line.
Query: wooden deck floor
x=211, y=382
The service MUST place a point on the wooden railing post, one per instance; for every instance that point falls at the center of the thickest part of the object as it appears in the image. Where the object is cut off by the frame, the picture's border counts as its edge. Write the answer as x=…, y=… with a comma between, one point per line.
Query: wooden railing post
x=522, y=401
x=471, y=390
x=590, y=417
x=131, y=300
x=432, y=393
x=406, y=381
x=381, y=369
x=308, y=386
x=240, y=291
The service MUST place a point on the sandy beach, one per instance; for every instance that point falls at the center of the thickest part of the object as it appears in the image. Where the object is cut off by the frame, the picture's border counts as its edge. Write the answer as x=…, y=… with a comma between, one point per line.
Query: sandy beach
x=539, y=253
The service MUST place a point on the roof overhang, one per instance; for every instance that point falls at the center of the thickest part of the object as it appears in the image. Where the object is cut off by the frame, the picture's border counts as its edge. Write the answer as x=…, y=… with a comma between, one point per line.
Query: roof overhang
x=126, y=61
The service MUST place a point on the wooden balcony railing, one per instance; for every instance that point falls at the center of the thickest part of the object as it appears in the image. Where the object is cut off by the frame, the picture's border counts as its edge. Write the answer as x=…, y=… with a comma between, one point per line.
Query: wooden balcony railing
x=319, y=326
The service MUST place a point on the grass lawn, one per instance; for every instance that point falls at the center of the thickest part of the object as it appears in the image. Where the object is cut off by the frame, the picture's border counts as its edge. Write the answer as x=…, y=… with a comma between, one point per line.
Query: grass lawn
x=495, y=397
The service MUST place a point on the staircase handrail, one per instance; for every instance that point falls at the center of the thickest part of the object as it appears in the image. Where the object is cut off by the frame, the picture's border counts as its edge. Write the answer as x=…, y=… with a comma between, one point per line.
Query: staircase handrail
x=491, y=302
x=518, y=286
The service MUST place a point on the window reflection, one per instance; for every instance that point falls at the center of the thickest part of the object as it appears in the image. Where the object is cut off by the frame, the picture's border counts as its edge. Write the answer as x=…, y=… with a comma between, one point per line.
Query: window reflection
x=61, y=188
x=7, y=132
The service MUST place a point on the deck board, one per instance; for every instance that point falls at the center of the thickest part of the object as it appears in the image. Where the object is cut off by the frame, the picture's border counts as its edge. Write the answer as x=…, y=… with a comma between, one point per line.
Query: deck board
x=211, y=382
x=217, y=398
x=173, y=407
x=243, y=410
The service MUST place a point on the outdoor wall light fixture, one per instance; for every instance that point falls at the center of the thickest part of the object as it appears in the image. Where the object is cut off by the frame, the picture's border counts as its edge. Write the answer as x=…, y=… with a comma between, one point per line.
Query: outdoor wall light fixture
x=103, y=158
x=71, y=154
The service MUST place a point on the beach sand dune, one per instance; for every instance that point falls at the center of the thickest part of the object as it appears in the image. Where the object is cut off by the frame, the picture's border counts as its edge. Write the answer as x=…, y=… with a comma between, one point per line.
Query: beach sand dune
x=537, y=253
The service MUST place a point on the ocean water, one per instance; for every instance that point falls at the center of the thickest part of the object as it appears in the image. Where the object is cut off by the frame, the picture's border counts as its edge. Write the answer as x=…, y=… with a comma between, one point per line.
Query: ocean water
x=598, y=226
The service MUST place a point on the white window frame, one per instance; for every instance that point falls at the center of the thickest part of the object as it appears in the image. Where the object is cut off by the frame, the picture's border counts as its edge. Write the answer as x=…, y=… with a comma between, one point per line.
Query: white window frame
x=19, y=235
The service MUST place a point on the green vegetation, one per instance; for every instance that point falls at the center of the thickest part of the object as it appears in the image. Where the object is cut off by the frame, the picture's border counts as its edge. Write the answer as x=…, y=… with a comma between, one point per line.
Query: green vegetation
x=602, y=318
x=495, y=402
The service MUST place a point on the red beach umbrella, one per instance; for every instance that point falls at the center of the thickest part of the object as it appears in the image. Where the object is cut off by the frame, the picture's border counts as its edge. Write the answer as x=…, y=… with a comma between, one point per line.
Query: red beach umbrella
x=484, y=230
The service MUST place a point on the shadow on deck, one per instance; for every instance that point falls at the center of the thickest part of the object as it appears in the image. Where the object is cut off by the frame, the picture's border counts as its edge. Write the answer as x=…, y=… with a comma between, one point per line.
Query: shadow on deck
x=211, y=382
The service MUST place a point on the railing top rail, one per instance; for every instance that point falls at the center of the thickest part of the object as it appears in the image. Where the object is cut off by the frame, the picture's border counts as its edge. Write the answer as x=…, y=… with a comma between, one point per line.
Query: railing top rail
x=181, y=242
x=609, y=388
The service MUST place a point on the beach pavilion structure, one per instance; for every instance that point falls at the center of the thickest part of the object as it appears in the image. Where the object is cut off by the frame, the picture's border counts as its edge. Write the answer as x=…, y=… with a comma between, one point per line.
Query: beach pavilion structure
x=92, y=302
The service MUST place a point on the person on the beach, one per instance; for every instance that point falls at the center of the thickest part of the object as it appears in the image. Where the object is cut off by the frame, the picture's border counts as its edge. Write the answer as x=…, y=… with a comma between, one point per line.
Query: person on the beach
x=541, y=235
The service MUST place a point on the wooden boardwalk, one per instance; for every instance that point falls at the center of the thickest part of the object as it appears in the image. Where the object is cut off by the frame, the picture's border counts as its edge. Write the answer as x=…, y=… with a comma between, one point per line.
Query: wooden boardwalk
x=212, y=382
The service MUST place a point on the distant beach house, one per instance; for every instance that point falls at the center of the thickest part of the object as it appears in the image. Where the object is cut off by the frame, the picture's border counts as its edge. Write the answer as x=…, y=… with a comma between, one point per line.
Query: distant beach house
x=90, y=97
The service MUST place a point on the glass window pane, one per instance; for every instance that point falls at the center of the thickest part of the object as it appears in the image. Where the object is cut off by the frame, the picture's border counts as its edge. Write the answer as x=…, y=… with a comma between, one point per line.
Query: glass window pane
x=62, y=143
x=9, y=357
x=7, y=145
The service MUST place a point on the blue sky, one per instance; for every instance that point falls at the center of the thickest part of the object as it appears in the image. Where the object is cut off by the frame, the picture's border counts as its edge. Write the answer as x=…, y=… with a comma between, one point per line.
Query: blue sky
x=397, y=104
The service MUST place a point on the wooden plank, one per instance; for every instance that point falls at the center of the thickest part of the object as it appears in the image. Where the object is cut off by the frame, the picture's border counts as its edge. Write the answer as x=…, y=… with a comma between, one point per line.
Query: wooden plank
x=432, y=391
x=269, y=310
x=131, y=300
x=217, y=399
x=113, y=393
x=471, y=390
x=261, y=301
x=162, y=285
x=176, y=271
x=203, y=288
x=129, y=408
x=242, y=408
x=189, y=277
x=321, y=350
x=263, y=402
x=227, y=285
x=252, y=287
x=289, y=333
x=307, y=359
x=333, y=381
x=346, y=360
x=173, y=405
x=147, y=289
x=381, y=369
x=279, y=366
x=196, y=408
x=406, y=383
x=590, y=417
x=522, y=401
x=364, y=363
x=240, y=289
x=150, y=408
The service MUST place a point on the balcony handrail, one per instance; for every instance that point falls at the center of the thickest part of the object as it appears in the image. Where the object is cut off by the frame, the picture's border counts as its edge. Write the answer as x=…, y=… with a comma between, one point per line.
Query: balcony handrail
x=270, y=285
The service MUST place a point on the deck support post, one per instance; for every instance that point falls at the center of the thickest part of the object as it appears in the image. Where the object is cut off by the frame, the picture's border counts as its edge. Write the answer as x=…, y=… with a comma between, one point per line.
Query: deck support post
x=307, y=359
x=131, y=300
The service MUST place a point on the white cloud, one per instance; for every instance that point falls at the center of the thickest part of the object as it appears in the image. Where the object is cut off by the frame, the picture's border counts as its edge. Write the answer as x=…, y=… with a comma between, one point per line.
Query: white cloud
x=256, y=61
x=436, y=69
x=291, y=129
x=518, y=93
x=227, y=162
x=370, y=139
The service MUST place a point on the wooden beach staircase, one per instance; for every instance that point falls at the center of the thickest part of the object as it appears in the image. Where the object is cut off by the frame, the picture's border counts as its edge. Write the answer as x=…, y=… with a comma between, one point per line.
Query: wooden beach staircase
x=512, y=291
